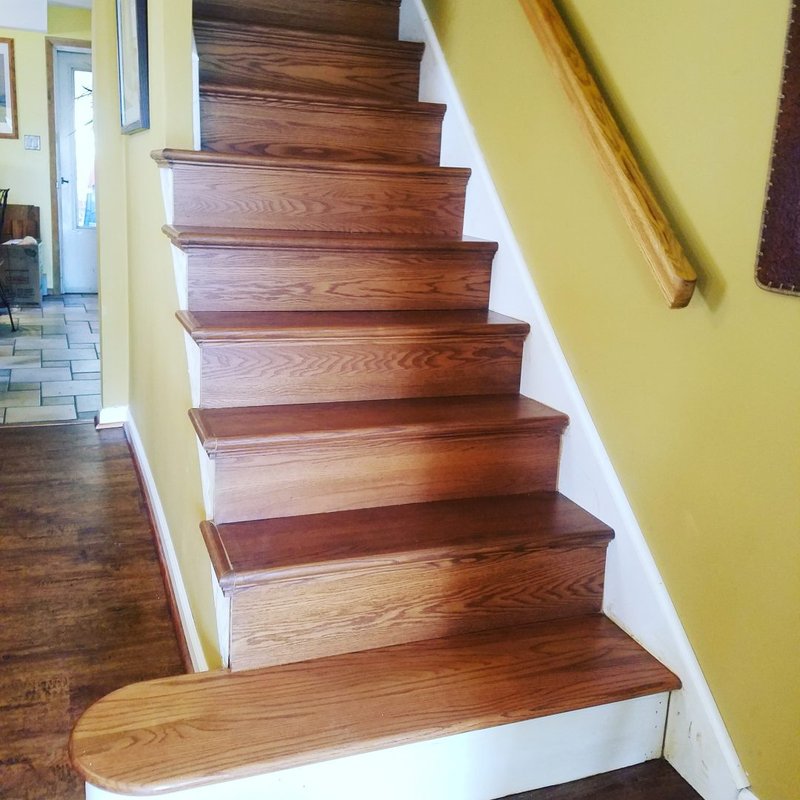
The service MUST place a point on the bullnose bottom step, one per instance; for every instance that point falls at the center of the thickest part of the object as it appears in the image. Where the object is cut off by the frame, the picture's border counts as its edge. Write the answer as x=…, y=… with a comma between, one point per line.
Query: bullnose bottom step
x=193, y=730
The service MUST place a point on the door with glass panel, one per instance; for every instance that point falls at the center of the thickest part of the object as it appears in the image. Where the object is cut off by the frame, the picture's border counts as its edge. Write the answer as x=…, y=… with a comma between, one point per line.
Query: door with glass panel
x=75, y=171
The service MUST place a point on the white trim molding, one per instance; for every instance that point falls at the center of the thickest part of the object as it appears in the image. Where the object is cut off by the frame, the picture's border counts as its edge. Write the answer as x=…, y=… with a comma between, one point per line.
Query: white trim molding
x=111, y=417
x=697, y=742
x=746, y=794
x=186, y=618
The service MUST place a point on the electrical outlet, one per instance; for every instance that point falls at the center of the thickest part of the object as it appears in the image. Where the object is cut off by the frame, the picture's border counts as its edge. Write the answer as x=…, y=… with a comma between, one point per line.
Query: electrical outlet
x=32, y=142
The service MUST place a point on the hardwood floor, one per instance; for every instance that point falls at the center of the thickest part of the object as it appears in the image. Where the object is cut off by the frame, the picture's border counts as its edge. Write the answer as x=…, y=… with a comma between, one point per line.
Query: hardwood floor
x=654, y=780
x=82, y=601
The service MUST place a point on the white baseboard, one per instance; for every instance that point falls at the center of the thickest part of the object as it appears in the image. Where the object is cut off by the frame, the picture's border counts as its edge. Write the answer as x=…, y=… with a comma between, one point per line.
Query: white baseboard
x=697, y=742
x=111, y=417
x=746, y=794
x=480, y=765
x=186, y=620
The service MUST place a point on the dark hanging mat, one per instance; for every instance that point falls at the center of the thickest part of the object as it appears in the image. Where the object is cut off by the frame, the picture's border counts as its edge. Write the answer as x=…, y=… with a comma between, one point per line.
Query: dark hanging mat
x=778, y=268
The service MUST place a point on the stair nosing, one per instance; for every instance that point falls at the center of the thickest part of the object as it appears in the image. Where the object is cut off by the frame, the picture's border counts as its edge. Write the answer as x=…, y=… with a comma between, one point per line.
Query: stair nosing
x=552, y=422
x=170, y=157
x=233, y=578
x=395, y=48
x=493, y=325
x=187, y=238
x=352, y=102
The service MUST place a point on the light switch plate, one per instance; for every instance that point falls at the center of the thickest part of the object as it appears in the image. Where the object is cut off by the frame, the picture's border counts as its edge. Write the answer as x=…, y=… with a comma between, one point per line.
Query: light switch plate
x=32, y=142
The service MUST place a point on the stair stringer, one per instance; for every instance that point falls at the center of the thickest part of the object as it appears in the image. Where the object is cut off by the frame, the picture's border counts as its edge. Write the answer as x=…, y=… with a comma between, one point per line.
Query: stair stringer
x=697, y=742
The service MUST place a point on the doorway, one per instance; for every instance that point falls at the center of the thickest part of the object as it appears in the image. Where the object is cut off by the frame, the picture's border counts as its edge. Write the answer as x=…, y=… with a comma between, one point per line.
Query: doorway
x=74, y=179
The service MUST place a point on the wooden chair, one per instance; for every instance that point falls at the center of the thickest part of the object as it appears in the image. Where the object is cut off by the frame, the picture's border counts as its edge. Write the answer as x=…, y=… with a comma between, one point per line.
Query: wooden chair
x=4, y=294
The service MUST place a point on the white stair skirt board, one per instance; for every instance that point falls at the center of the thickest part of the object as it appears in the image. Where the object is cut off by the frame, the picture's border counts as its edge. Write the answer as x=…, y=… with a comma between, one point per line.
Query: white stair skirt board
x=697, y=743
x=480, y=765
x=199, y=663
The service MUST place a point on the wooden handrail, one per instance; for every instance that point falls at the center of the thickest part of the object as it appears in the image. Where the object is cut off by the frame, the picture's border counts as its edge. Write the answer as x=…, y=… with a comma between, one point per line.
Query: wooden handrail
x=673, y=272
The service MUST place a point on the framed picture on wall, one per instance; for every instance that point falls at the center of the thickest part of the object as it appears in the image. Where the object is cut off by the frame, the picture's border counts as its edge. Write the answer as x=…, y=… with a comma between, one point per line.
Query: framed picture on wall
x=8, y=94
x=134, y=99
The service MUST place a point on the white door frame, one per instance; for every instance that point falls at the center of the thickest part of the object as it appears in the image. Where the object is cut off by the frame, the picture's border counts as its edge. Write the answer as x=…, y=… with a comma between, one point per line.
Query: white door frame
x=53, y=44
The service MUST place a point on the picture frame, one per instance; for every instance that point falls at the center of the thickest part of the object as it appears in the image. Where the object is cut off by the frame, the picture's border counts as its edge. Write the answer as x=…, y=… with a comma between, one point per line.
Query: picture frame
x=8, y=91
x=134, y=96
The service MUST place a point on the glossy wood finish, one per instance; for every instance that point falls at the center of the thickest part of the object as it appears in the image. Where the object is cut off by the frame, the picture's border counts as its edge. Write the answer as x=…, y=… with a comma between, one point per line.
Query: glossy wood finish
x=237, y=191
x=83, y=605
x=319, y=585
x=652, y=230
x=242, y=430
x=256, y=122
x=273, y=358
x=369, y=18
x=290, y=460
x=242, y=270
x=248, y=554
x=202, y=728
x=305, y=62
x=343, y=527
x=654, y=780
x=296, y=620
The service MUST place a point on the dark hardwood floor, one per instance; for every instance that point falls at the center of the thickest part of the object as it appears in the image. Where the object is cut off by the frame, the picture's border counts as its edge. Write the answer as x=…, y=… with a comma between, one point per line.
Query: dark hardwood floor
x=82, y=600
x=654, y=780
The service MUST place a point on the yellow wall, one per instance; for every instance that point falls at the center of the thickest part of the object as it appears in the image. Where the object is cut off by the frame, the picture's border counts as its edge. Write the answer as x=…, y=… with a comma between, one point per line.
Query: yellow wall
x=698, y=408
x=138, y=295
x=27, y=172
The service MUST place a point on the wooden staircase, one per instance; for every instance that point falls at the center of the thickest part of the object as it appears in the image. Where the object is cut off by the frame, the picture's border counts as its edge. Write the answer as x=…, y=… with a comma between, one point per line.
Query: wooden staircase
x=386, y=521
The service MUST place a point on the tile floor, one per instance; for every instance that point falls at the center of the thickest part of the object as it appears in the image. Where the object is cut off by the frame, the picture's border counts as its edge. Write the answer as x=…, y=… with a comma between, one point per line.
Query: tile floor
x=50, y=366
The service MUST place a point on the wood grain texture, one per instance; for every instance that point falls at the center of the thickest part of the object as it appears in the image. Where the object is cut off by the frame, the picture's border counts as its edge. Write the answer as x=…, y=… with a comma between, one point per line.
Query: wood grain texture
x=288, y=460
x=250, y=271
x=266, y=326
x=177, y=733
x=377, y=19
x=251, y=553
x=274, y=358
x=318, y=585
x=83, y=605
x=261, y=123
x=313, y=477
x=654, y=780
x=660, y=246
x=243, y=430
x=298, y=619
x=301, y=61
x=224, y=190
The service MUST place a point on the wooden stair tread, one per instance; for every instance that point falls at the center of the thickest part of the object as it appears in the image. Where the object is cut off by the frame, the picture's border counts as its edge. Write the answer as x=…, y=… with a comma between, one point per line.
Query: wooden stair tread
x=170, y=157
x=306, y=39
x=183, y=732
x=249, y=553
x=210, y=326
x=242, y=429
x=373, y=18
x=186, y=236
x=277, y=96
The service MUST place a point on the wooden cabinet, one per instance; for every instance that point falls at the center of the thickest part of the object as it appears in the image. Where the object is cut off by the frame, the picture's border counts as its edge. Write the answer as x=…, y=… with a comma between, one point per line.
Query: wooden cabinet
x=20, y=267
